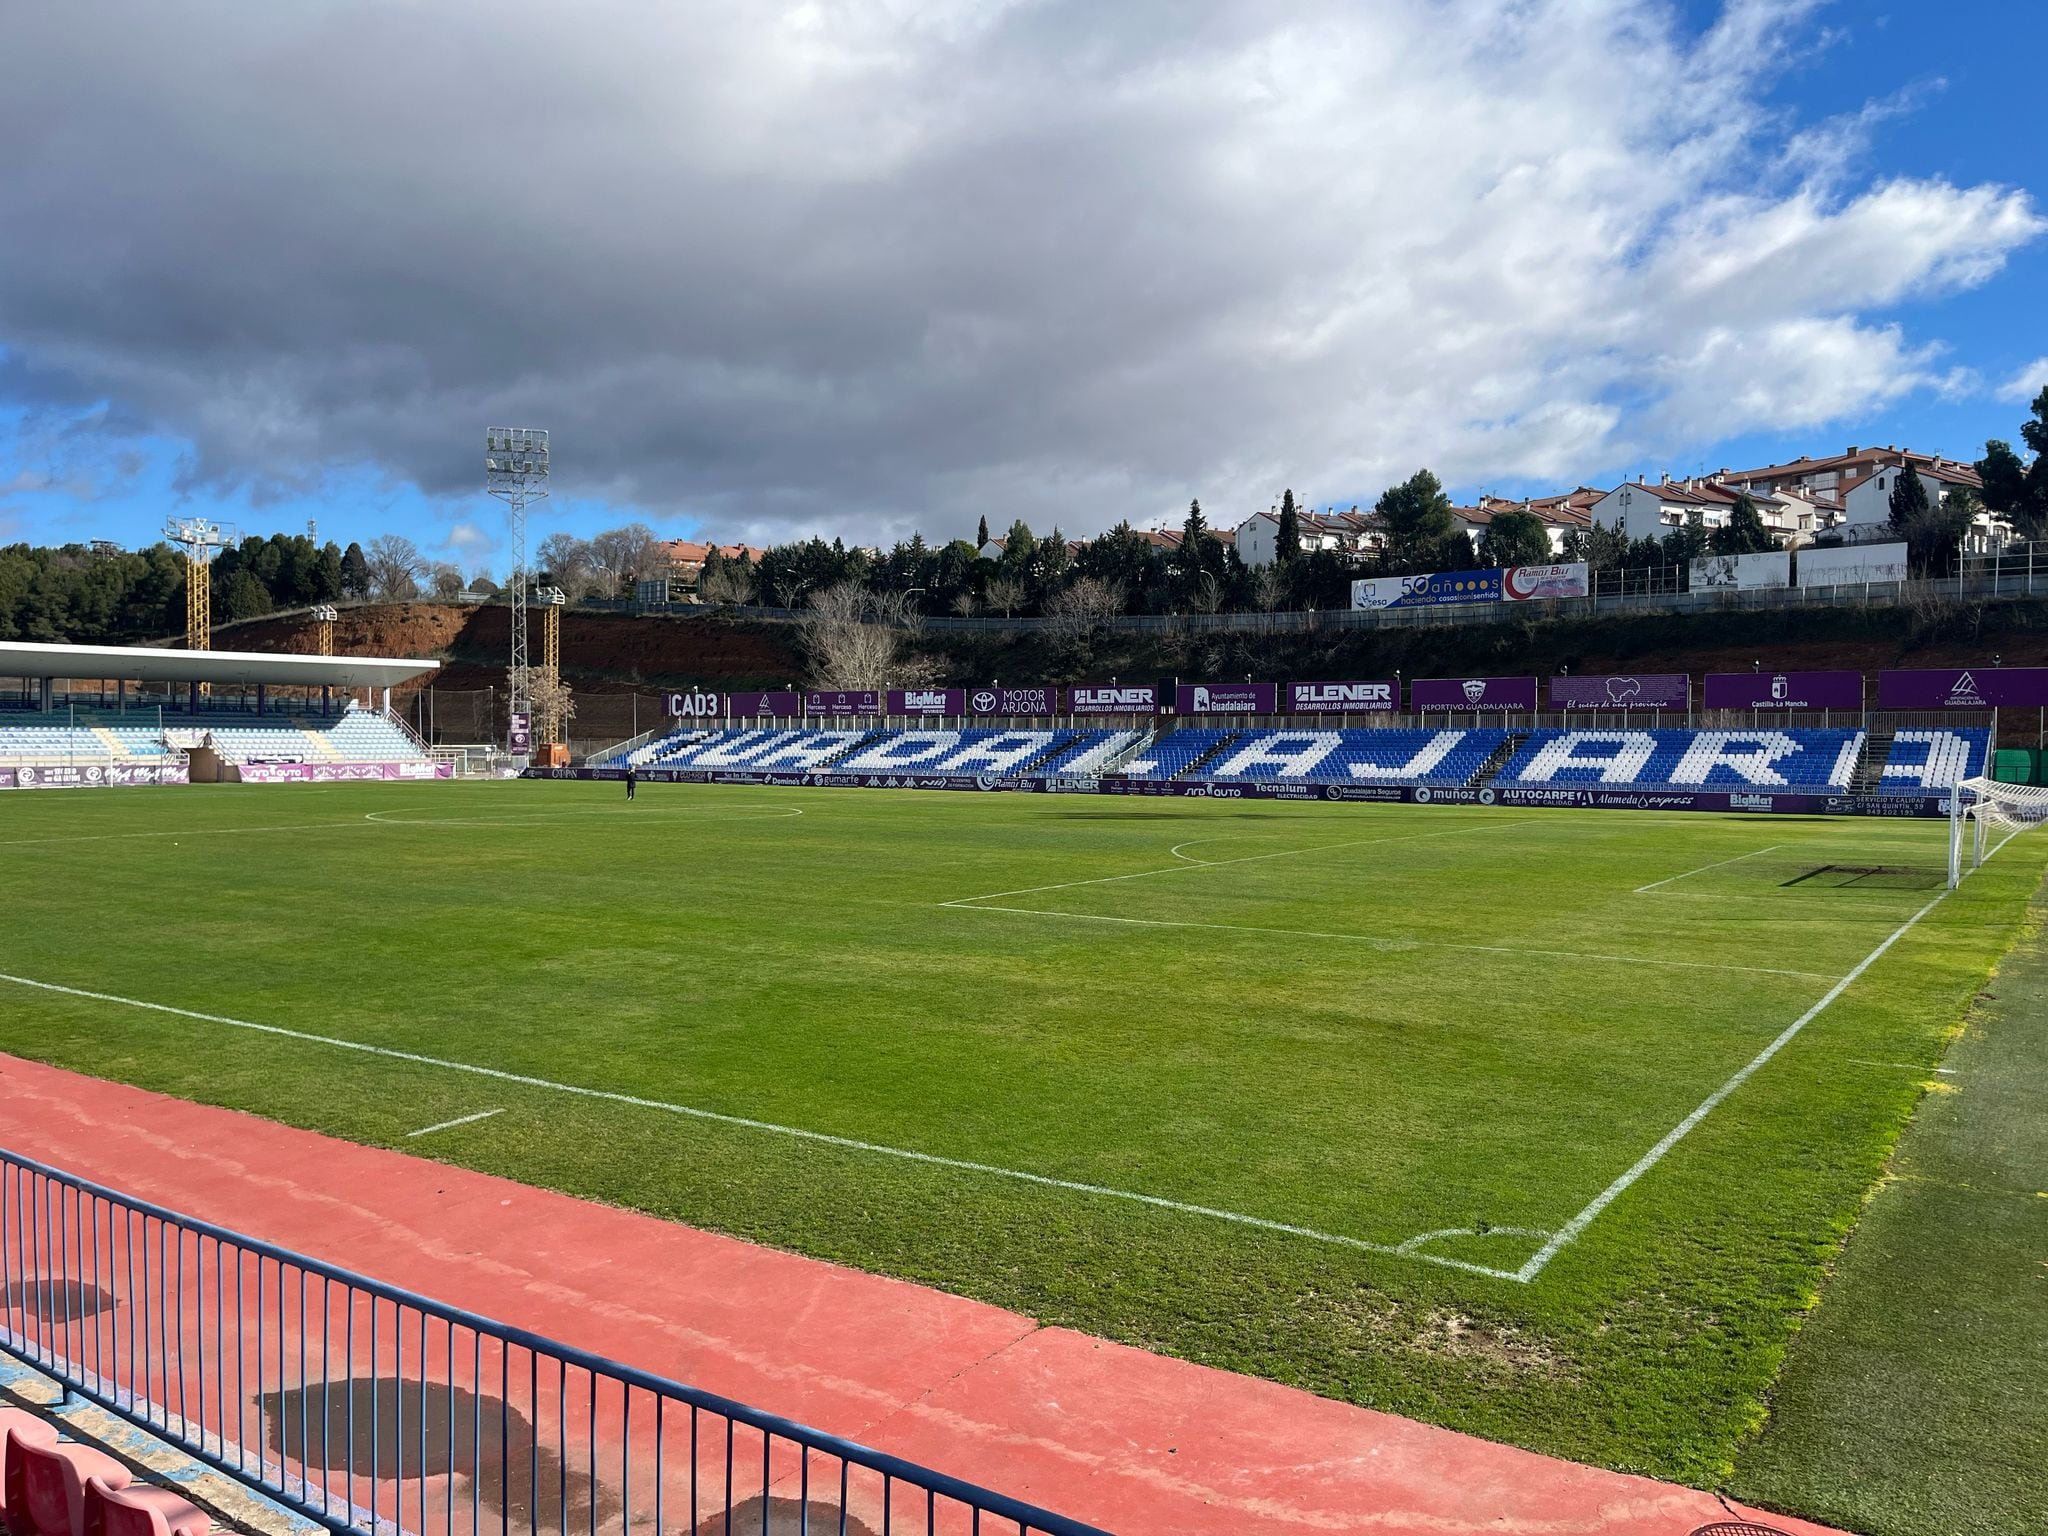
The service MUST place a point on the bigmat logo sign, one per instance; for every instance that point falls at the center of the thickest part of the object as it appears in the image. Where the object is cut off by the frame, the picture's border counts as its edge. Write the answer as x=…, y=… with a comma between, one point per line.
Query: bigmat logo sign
x=927, y=701
x=1343, y=698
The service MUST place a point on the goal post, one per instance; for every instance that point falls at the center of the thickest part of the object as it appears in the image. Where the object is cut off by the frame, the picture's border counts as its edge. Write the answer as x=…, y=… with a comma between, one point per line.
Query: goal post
x=1981, y=808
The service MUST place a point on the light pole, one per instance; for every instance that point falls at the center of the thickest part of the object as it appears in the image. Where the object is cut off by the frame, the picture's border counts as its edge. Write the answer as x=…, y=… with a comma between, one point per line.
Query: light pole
x=516, y=472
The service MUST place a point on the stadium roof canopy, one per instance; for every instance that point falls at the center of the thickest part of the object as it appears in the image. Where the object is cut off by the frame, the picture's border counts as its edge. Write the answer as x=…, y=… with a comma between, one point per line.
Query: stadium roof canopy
x=148, y=665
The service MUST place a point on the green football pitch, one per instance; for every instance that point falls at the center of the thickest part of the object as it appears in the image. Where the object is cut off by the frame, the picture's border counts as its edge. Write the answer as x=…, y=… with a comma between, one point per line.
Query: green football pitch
x=1544, y=1125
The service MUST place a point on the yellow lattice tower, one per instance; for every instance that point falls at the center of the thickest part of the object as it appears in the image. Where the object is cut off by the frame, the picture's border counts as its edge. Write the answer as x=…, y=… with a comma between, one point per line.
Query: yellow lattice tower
x=550, y=723
x=198, y=538
x=323, y=629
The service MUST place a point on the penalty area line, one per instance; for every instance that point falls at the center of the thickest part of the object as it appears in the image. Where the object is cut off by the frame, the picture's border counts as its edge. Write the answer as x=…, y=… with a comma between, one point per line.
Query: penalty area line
x=1717, y=864
x=798, y=1133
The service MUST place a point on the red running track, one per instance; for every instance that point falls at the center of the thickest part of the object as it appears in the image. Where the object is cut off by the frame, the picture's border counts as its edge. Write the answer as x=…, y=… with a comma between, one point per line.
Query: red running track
x=1127, y=1440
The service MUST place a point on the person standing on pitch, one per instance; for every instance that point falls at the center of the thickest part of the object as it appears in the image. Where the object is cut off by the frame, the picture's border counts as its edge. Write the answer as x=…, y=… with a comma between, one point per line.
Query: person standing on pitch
x=632, y=779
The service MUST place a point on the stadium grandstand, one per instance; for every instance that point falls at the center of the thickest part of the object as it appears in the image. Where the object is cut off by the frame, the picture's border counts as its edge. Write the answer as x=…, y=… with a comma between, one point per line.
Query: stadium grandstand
x=83, y=714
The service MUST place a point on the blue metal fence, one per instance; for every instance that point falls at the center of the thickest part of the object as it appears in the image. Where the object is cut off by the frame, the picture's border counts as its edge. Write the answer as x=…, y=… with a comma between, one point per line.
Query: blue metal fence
x=374, y=1410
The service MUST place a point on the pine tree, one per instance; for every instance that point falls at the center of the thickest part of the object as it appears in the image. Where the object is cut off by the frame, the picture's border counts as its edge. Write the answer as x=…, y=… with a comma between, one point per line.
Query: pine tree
x=981, y=534
x=355, y=572
x=1287, y=541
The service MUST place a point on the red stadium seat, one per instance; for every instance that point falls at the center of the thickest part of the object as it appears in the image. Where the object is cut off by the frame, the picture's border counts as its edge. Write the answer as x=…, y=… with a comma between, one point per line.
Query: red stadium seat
x=139, y=1511
x=53, y=1484
x=18, y=1429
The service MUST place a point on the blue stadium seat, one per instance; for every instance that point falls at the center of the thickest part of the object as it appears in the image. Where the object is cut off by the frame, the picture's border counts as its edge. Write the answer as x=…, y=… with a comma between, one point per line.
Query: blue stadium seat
x=1930, y=760
x=1816, y=761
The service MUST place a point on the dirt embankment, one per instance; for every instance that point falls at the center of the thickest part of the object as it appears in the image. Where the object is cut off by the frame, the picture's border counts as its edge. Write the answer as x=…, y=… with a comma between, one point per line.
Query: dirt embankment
x=617, y=653
x=601, y=653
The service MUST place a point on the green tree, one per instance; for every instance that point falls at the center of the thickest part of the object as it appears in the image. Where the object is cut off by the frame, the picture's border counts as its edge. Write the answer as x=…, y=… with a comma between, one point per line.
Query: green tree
x=1932, y=529
x=355, y=572
x=1419, y=523
x=1744, y=533
x=1515, y=538
x=981, y=534
x=2013, y=488
x=1287, y=539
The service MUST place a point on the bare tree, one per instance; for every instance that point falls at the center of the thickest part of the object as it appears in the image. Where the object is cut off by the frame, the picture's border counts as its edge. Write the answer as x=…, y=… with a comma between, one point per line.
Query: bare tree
x=853, y=646
x=566, y=558
x=395, y=567
x=1006, y=595
x=966, y=606
x=1269, y=586
x=618, y=555
x=554, y=706
x=1075, y=612
x=1207, y=596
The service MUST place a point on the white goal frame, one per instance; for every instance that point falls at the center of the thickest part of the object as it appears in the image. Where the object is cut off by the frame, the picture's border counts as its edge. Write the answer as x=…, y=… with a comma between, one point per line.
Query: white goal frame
x=1975, y=805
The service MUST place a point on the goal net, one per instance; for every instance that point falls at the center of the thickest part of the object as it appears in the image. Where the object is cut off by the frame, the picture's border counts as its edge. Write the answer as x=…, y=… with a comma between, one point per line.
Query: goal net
x=1983, y=814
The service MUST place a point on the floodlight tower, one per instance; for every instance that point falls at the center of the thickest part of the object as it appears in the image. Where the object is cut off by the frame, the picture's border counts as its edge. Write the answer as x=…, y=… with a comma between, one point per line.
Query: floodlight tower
x=323, y=628
x=198, y=538
x=550, y=723
x=516, y=472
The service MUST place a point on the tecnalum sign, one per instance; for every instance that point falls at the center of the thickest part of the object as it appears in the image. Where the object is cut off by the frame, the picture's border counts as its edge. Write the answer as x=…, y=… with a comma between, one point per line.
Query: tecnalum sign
x=1364, y=698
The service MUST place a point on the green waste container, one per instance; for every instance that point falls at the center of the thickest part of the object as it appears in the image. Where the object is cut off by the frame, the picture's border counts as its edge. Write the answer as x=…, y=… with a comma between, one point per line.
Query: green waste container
x=2014, y=767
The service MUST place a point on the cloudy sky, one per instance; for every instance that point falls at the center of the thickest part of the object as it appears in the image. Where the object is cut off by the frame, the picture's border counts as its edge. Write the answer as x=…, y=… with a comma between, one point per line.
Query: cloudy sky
x=863, y=266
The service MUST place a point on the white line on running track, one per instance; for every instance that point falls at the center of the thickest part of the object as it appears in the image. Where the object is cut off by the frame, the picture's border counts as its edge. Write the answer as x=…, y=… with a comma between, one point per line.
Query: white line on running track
x=1249, y=858
x=449, y=1125
x=822, y=1138
x=1673, y=880
x=1391, y=942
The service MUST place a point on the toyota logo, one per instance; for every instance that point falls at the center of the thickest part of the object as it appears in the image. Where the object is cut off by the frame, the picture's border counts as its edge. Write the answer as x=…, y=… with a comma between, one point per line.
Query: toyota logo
x=984, y=701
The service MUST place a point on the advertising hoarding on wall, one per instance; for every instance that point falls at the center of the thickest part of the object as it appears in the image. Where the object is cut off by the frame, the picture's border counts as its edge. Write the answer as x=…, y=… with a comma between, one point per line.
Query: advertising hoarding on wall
x=1784, y=690
x=1639, y=690
x=1227, y=698
x=1536, y=583
x=1013, y=701
x=1964, y=688
x=927, y=701
x=1112, y=699
x=1742, y=573
x=695, y=704
x=1852, y=565
x=1449, y=695
x=859, y=701
x=1363, y=698
x=519, y=739
x=775, y=704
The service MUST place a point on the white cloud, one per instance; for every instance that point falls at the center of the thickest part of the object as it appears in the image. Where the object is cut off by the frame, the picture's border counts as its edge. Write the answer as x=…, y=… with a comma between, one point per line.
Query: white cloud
x=2027, y=383
x=860, y=265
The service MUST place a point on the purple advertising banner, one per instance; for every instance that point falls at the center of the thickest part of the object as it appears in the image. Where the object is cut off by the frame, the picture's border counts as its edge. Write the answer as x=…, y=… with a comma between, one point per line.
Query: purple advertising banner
x=1343, y=698
x=783, y=704
x=698, y=704
x=1784, y=690
x=519, y=739
x=341, y=773
x=92, y=775
x=1964, y=688
x=1642, y=690
x=1112, y=699
x=859, y=702
x=1448, y=695
x=1013, y=701
x=927, y=701
x=1227, y=698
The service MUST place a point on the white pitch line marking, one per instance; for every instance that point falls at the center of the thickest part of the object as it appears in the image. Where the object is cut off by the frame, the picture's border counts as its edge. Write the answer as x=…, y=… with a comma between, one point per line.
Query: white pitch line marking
x=1719, y=864
x=1642, y=1165
x=822, y=1138
x=1391, y=942
x=1249, y=858
x=449, y=1125
x=1903, y=1066
x=381, y=818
